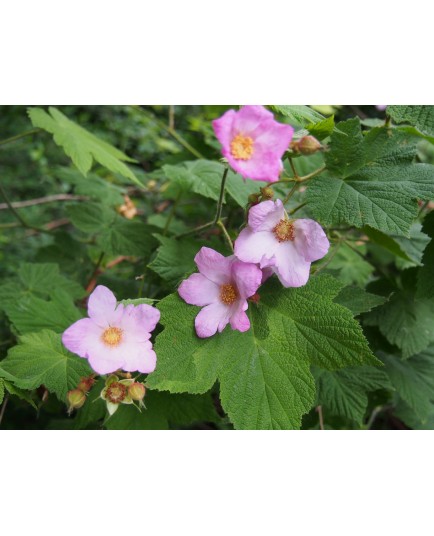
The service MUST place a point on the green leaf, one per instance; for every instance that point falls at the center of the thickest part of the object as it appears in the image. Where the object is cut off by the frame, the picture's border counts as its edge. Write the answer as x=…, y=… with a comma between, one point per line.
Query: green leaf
x=126, y=237
x=409, y=249
x=40, y=358
x=352, y=266
x=80, y=145
x=204, y=177
x=163, y=410
x=91, y=217
x=322, y=129
x=421, y=117
x=175, y=258
x=19, y=393
x=345, y=392
x=264, y=375
x=406, y=322
x=414, y=380
x=372, y=181
x=31, y=313
x=358, y=300
x=299, y=114
x=45, y=279
x=425, y=282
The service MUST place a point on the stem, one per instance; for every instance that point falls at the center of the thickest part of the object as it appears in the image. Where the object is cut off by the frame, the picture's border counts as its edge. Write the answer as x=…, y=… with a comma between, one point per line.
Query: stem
x=226, y=234
x=17, y=215
x=329, y=260
x=291, y=163
x=19, y=136
x=172, y=117
x=294, y=210
x=198, y=229
x=171, y=214
x=312, y=175
x=170, y=131
x=291, y=193
x=320, y=416
x=43, y=200
x=222, y=193
x=2, y=411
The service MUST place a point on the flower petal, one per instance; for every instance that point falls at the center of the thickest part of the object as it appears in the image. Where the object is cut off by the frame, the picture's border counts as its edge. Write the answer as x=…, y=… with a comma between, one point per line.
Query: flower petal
x=256, y=247
x=142, y=317
x=290, y=267
x=249, y=118
x=239, y=320
x=101, y=305
x=310, y=239
x=247, y=278
x=274, y=138
x=141, y=358
x=266, y=215
x=77, y=337
x=223, y=128
x=212, y=318
x=214, y=266
x=199, y=290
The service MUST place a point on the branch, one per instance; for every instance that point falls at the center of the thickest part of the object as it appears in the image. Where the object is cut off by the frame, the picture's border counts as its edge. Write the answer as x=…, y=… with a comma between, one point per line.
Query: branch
x=43, y=200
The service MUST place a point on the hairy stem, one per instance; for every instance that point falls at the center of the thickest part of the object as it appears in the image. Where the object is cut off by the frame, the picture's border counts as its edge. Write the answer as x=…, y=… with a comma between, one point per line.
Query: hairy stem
x=222, y=193
x=226, y=234
x=19, y=136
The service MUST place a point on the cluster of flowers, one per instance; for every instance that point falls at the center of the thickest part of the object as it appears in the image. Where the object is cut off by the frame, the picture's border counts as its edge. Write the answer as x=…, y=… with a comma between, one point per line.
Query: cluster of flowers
x=117, y=337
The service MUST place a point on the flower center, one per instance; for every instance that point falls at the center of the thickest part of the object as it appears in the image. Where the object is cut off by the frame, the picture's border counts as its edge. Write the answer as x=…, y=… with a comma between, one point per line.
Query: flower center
x=116, y=392
x=112, y=336
x=284, y=231
x=228, y=294
x=242, y=147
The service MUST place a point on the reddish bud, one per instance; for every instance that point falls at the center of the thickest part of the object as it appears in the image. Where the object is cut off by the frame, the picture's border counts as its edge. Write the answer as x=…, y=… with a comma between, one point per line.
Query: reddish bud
x=308, y=145
x=116, y=392
x=76, y=399
x=86, y=384
x=255, y=298
x=137, y=391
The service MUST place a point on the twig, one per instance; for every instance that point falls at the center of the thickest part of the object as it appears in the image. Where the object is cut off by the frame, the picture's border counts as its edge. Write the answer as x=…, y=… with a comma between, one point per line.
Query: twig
x=320, y=416
x=291, y=193
x=170, y=131
x=43, y=200
x=172, y=117
x=291, y=163
x=17, y=215
x=3, y=409
x=171, y=214
x=226, y=234
x=19, y=136
x=222, y=193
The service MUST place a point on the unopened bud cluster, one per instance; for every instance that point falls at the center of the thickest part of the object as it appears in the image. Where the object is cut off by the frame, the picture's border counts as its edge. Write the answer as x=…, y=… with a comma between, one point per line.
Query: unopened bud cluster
x=306, y=145
x=125, y=391
x=77, y=397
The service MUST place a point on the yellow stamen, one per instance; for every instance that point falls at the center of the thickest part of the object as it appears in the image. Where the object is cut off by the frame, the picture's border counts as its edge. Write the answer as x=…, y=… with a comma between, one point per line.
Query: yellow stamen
x=242, y=147
x=112, y=336
x=228, y=294
x=284, y=231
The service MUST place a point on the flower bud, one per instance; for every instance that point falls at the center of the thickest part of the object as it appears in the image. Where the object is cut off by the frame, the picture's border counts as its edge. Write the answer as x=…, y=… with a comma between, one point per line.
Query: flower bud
x=137, y=391
x=116, y=392
x=76, y=399
x=308, y=145
x=267, y=192
x=253, y=199
x=86, y=384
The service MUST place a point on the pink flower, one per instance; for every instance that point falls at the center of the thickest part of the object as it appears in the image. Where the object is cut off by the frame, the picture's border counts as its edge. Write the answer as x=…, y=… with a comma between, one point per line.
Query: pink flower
x=253, y=142
x=115, y=336
x=287, y=246
x=221, y=288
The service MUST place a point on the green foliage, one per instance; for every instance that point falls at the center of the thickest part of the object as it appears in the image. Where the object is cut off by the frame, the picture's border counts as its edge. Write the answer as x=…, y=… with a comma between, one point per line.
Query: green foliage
x=371, y=180
x=425, y=283
x=163, y=409
x=372, y=189
x=345, y=392
x=264, y=375
x=358, y=300
x=421, y=117
x=413, y=380
x=40, y=358
x=80, y=145
x=204, y=178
